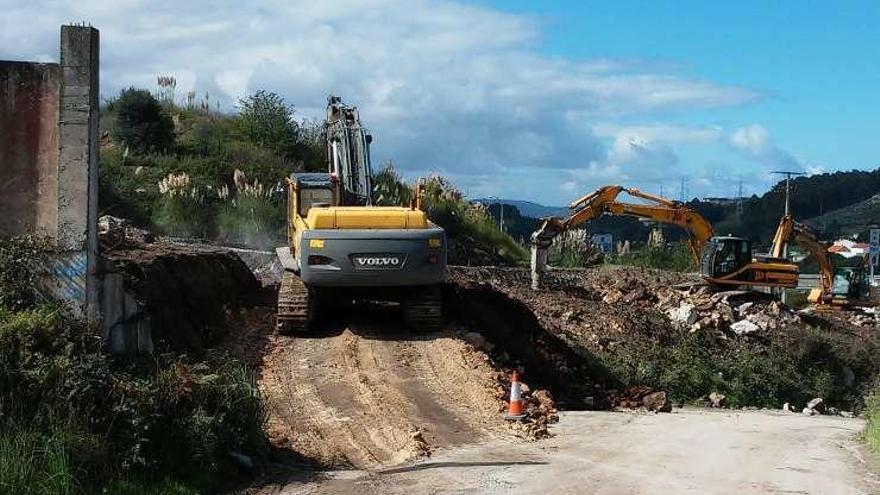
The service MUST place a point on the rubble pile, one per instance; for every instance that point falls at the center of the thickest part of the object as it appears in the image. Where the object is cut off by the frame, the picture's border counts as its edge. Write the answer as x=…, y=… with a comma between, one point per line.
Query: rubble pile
x=119, y=233
x=641, y=398
x=540, y=411
x=737, y=312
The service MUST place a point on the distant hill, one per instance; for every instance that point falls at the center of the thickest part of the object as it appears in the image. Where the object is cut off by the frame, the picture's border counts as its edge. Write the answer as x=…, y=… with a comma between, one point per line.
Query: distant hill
x=850, y=220
x=811, y=197
x=839, y=203
x=528, y=208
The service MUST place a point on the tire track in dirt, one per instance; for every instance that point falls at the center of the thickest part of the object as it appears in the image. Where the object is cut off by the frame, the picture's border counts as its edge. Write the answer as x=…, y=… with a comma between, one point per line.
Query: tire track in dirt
x=370, y=396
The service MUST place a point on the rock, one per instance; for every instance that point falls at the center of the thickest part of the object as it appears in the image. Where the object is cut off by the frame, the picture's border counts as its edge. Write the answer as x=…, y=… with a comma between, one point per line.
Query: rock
x=612, y=297
x=817, y=404
x=718, y=400
x=477, y=340
x=657, y=402
x=847, y=414
x=685, y=313
x=809, y=412
x=636, y=295
x=742, y=308
x=118, y=233
x=744, y=327
x=544, y=400
x=787, y=407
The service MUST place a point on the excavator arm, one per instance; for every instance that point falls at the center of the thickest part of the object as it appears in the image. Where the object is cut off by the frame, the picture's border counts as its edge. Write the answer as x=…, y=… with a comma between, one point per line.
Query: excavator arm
x=604, y=201
x=789, y=230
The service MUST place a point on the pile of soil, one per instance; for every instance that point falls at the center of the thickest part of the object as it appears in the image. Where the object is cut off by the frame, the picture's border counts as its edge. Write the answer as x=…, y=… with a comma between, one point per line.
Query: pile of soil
x=186, y=291
x=466, y=251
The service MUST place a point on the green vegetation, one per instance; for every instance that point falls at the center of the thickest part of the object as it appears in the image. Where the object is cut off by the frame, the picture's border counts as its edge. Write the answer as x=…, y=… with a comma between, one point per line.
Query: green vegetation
x=795, y=366
x=872, y=429
x=74, y=421
x=448, y=208
x=677, y=258
x=573, y=249
x=220, y=177
x=140, y=122
x=188, y=186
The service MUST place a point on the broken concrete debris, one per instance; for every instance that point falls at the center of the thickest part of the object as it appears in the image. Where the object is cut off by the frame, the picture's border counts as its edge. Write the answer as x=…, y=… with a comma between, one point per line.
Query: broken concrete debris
x=717, y=400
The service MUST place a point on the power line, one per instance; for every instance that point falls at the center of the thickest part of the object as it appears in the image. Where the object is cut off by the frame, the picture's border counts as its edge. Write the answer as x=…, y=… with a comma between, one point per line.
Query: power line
x=788, y=175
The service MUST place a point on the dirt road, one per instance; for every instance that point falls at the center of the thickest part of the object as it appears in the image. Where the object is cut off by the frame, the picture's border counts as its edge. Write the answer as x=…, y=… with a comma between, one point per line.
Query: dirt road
x=368, y=395
x=688, y=451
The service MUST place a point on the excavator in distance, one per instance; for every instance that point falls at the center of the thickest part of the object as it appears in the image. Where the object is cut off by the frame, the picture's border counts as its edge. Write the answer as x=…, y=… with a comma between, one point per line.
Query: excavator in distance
x=341, y=248
x=837, y=286
x=723, y=260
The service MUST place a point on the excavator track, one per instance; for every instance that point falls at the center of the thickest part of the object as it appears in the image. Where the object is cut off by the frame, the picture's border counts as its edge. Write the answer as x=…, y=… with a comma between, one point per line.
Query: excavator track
x=296, y=305
x=423, y=311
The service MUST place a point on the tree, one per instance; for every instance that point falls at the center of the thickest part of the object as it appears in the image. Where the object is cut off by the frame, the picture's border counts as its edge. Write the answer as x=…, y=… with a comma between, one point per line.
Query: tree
x=141, y=123
x=266, y=120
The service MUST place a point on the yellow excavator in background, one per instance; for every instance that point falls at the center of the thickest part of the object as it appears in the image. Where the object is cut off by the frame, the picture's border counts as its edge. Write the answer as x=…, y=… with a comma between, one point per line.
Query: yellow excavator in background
x=341, y=248
x=723, y=260
x=845, y=286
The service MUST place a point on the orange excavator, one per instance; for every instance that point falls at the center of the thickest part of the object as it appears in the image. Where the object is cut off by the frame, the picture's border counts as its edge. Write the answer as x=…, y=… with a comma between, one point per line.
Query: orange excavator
x=844, y=286
x=723, y=260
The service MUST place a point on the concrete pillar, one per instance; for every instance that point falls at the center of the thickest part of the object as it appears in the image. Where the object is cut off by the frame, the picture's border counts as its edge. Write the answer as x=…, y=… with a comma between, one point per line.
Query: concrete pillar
x=78, y=156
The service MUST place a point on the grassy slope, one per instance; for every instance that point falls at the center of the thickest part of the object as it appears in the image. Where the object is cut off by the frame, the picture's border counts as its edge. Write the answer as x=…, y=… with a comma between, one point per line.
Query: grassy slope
x=872, y=429
x=852, y=219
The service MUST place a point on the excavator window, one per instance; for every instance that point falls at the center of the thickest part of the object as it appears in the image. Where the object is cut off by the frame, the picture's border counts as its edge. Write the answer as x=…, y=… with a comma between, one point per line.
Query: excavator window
x=314, y=197
x=728, y=255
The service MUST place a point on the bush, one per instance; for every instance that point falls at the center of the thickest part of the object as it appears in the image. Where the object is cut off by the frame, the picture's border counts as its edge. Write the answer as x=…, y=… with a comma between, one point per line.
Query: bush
x=253, y=215
x=72, y=419
x=266, y=120
x=183, y=209
x=140, y=122
x=796, y=365
x=677, y=258
x=20, y=258
x=573, y=249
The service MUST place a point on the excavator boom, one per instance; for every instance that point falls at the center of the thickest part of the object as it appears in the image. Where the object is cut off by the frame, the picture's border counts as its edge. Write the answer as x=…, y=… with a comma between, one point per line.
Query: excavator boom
x=604, y=201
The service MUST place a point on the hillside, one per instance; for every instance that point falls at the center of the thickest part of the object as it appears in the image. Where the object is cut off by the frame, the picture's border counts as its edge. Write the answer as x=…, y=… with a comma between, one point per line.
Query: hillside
x=811, y=197
x=850, y=220
x=528, y=208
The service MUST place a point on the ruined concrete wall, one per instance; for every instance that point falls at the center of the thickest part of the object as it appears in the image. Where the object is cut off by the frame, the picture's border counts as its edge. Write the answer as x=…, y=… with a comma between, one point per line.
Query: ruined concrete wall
x=77, y=202
x=29, y=110
x=49, y=161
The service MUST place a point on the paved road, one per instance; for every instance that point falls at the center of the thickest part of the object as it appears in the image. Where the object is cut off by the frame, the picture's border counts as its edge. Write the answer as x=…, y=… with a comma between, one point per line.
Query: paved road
x=688, y=451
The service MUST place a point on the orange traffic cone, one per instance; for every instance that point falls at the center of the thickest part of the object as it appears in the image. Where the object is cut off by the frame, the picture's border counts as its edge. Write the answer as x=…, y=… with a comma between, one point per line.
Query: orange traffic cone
x=515, y=409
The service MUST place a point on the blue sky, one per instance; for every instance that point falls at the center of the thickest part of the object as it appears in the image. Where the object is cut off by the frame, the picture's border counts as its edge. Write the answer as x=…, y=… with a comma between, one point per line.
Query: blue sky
x=529, y=100
x=817, y=63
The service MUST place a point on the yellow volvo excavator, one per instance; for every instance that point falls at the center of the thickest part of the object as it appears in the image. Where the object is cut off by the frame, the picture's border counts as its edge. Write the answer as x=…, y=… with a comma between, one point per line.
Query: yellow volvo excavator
x=723, y=260
x=341, y=248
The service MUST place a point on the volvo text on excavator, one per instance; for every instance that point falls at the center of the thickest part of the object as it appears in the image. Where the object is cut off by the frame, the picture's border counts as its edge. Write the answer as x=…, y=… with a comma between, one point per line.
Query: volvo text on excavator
x=342, y=248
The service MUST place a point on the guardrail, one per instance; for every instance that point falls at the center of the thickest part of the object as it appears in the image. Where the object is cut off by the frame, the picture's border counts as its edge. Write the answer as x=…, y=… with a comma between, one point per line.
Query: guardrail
x=811, y=280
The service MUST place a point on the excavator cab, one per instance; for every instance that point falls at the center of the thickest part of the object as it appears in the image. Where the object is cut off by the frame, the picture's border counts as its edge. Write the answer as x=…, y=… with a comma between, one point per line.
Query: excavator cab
x=724, y=255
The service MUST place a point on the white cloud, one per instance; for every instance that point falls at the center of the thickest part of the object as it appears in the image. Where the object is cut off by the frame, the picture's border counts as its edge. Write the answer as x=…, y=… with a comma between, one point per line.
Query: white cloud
x=444, y=86
x=754, y=141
